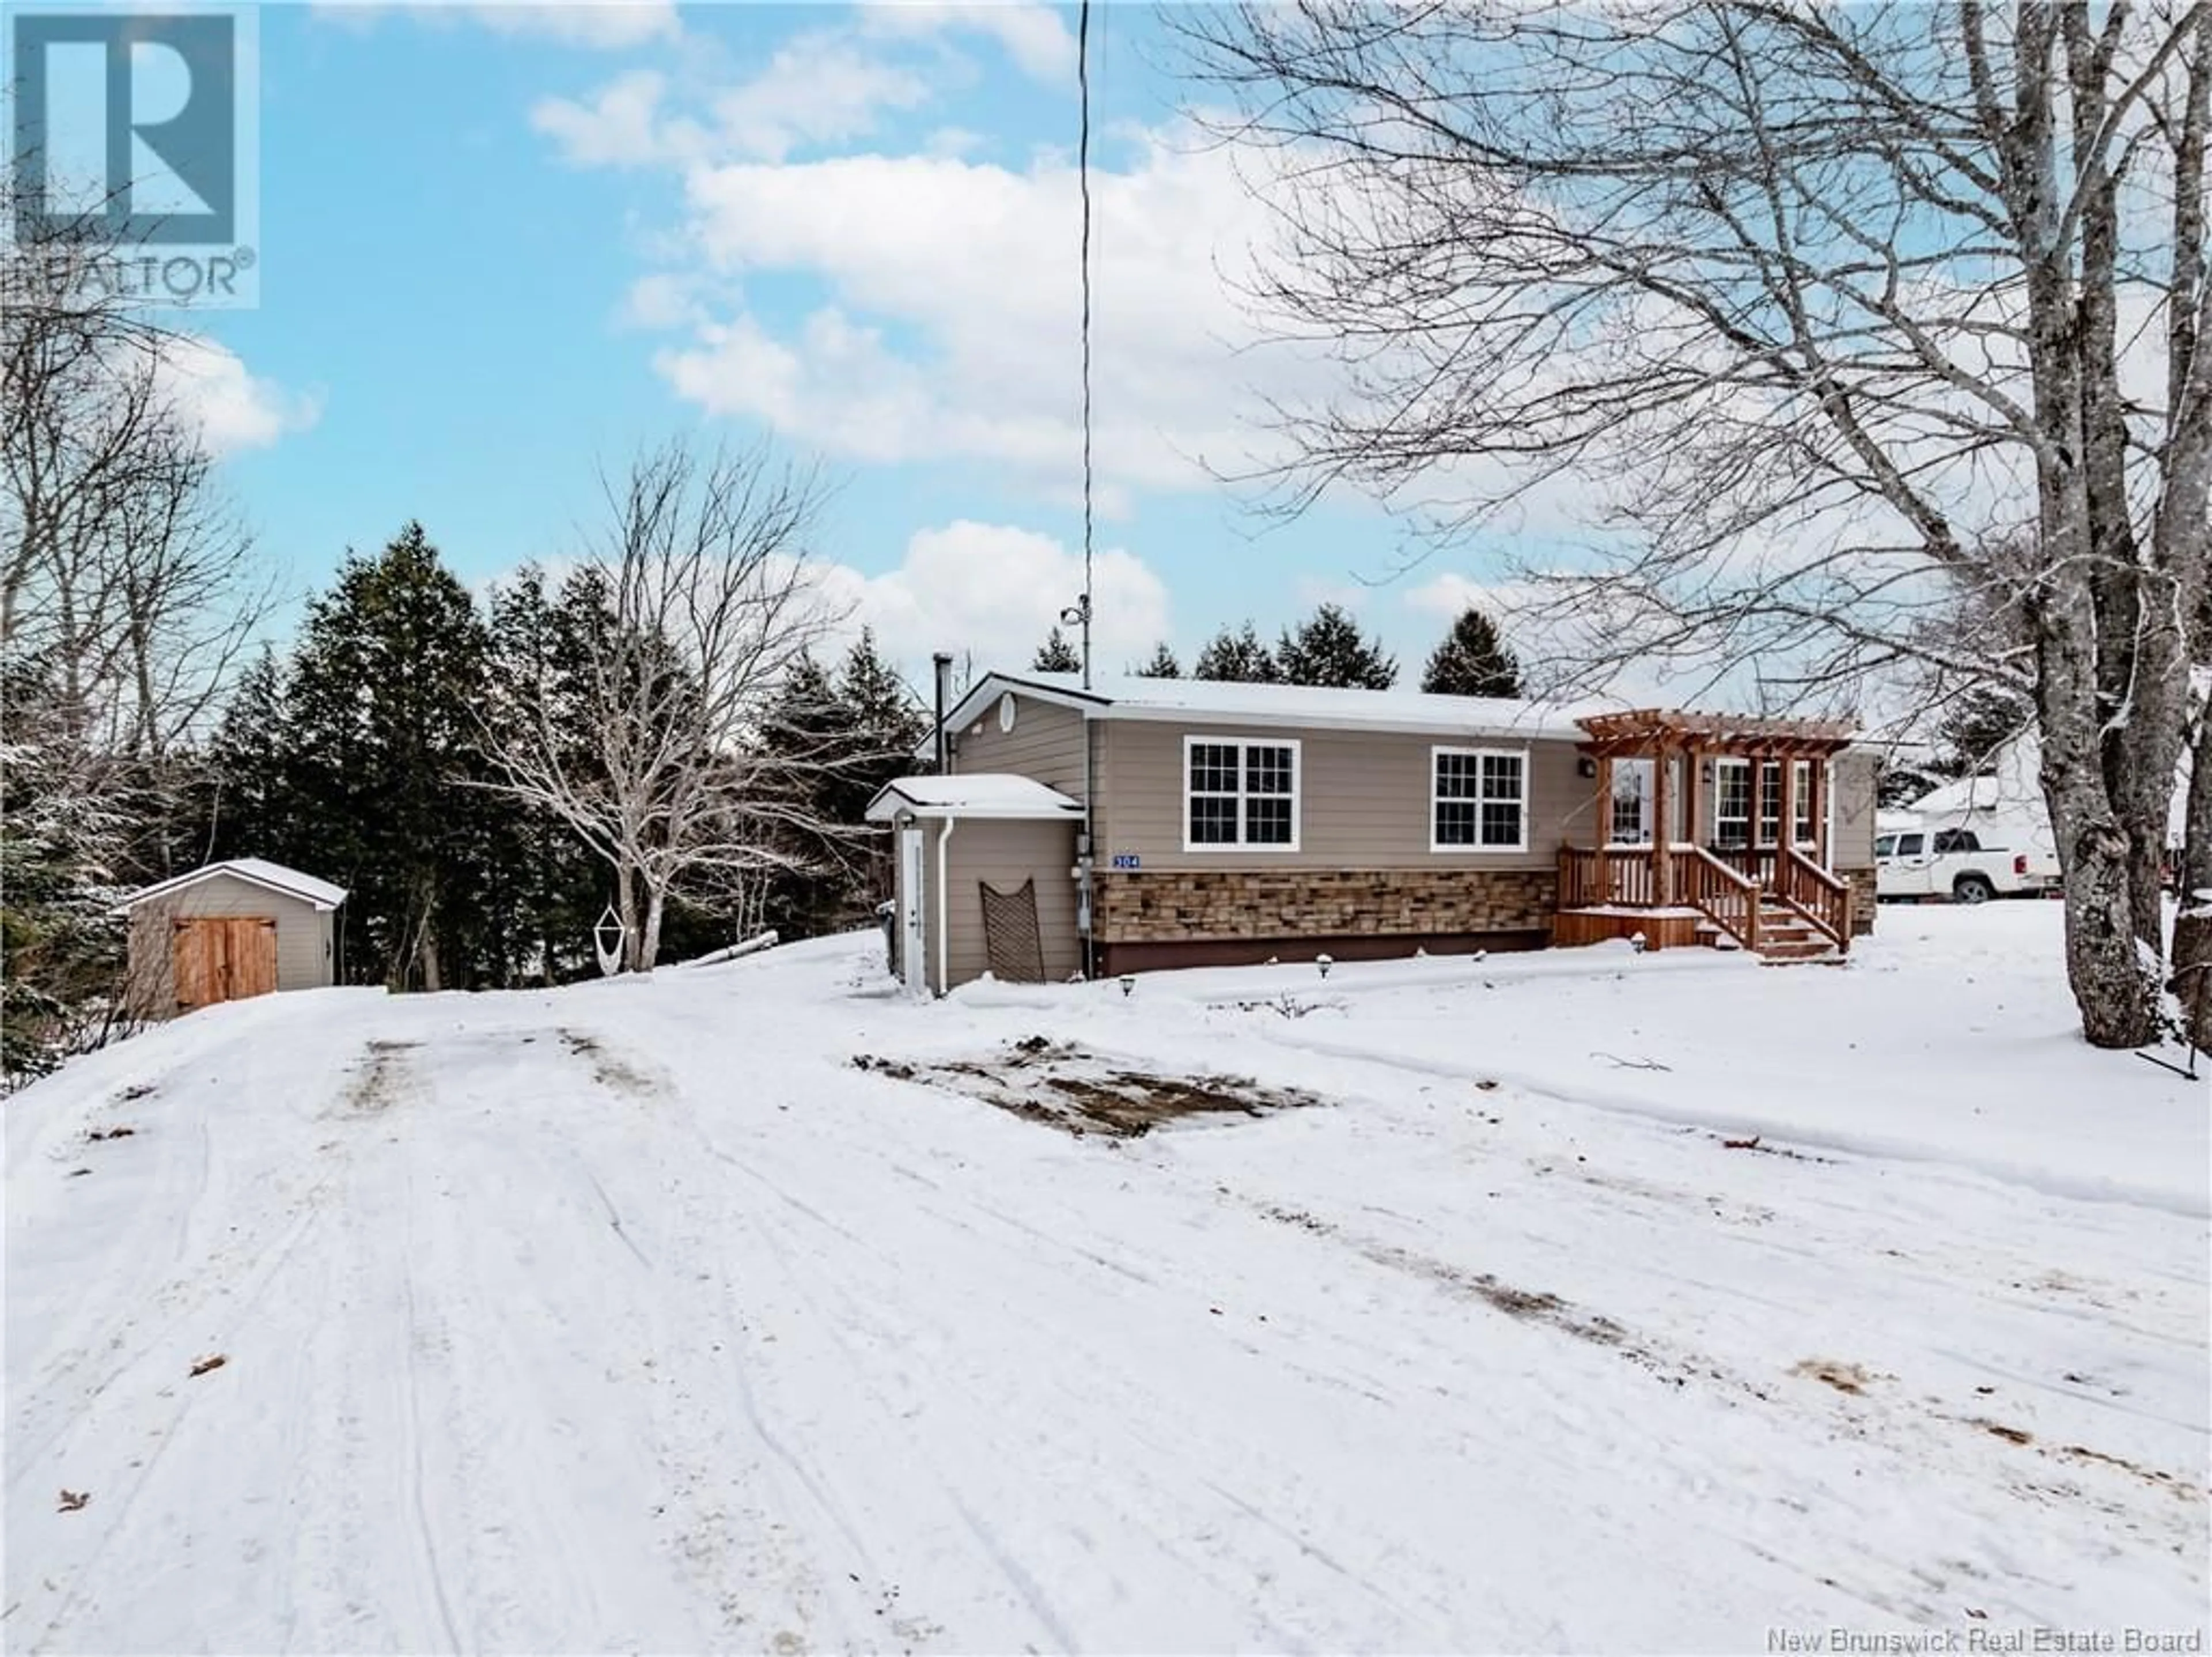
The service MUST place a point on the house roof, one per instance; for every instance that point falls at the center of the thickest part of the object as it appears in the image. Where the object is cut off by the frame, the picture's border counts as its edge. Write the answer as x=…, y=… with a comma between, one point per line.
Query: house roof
x=985, y=793
x=1128, y=696
x=254, y=871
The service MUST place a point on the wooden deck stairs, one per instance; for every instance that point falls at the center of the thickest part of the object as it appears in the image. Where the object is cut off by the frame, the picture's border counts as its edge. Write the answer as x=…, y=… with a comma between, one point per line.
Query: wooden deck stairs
x=1786, y=934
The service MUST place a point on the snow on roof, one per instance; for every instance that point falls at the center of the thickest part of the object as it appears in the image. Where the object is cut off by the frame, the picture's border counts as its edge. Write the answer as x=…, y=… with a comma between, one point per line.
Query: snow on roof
x=1129, y=696
x=2013, y=788
x=256, y=871
x=984, y=794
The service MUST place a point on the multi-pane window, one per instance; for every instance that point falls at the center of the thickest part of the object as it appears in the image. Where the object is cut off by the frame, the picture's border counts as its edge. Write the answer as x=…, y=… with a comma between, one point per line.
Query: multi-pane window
x=1770, y=802
x=1240, y=793
x=1805, y=831
x=1631, y=802
x=1732, y=803
x=1478, y=800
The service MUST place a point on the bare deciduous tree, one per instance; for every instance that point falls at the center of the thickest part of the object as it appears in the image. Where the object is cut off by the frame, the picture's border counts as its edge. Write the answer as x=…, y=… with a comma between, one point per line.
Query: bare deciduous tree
x=1828, y=308
x=703, y=600
x=127, y=586
x=122, y=568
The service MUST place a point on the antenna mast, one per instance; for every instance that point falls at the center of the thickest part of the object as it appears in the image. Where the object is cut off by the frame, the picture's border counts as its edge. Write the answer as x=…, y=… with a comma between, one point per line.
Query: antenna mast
x=1083, y=184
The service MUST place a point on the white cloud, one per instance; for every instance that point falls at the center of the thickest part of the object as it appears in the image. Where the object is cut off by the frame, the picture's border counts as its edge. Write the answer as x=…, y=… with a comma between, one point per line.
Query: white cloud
x=996, y=590
x=948, y=329
x=618, y=127
x=1036, y=37
x=663, y=300
x=819, y=87
x=234, y=409
x=603, y=25
x=600, y=23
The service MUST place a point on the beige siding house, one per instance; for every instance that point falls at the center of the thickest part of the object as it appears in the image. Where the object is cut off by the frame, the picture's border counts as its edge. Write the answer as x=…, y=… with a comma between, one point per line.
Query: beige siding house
x=229, y=931
x=1171, y=822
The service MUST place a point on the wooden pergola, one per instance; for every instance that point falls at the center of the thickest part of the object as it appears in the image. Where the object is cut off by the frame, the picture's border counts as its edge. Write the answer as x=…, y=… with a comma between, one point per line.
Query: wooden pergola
x=1674, y=872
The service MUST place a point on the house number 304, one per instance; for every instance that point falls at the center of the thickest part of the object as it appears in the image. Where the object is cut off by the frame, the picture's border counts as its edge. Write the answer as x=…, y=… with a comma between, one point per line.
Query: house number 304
x=1127, y=859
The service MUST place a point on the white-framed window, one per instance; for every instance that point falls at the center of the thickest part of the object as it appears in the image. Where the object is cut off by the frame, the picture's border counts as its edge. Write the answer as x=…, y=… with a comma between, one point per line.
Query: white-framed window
x=1732, y=803
x=1477, y=800
x=1805, y=829
x=1240, y=793
x=1770, y=802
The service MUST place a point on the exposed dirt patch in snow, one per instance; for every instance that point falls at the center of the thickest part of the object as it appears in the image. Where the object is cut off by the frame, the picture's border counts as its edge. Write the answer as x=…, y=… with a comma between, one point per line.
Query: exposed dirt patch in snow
x=1844, y=1377
x=608, y=1069
x=1756, y=1142
x=2180, y=1487
x=1080, y=1091
x=378, y=1084
x=1538, y=1305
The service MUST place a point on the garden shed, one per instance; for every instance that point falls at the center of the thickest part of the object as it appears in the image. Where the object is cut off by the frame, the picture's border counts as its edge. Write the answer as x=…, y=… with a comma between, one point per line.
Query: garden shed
x=227, y=931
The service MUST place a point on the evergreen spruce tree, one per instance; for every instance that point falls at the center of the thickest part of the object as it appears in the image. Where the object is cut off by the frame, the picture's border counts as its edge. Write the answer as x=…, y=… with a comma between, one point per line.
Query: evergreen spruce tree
x=888, y=725
x=391, y=671
x=1236, y=657
x=551, y=893
x=1978, y=723
x=62, y=848
x=1162, y=665
x=1056, y=655
x=250, y=811
x=810, y=728
x=1327, y=649
x=1473, y=661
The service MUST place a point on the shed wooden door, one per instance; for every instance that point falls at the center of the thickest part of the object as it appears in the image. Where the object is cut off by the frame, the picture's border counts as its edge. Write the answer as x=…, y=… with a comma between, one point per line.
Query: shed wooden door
x=224, y=958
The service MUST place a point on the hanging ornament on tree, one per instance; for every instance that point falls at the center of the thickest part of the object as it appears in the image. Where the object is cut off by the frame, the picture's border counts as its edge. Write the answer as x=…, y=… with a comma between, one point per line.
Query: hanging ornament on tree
x=608, y=938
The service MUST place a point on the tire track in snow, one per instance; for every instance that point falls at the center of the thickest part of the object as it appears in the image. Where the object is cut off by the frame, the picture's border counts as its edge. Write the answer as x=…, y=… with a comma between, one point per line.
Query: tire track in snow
x=731, y=1544
x=426, y=1540
x=1115, y=1388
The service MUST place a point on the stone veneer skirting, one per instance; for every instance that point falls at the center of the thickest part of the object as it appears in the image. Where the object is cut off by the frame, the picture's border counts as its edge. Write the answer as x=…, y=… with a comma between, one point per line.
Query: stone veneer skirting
x=1186, y=906
x=1862, y=899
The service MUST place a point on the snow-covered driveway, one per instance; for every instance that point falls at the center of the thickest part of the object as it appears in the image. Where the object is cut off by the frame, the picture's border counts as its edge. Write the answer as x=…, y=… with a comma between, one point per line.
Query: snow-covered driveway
x=634, y=1316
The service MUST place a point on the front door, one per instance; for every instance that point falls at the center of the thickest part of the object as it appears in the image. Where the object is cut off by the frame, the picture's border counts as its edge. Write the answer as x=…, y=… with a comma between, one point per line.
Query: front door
x=914, y=940
x=224, y=957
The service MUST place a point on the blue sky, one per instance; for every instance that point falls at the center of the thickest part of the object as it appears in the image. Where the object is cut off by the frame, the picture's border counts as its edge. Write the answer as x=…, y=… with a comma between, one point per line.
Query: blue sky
x=504, y=245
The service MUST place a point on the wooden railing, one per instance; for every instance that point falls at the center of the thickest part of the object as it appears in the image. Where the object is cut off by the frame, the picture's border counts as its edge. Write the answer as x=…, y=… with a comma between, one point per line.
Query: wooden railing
x=1725, y=896
x=1755, y=862
x=1817, y=895
x=1592, y=879
x=1726, y=887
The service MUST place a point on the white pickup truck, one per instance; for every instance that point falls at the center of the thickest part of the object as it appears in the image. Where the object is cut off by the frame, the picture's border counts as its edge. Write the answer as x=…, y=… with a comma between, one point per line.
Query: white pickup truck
x=1952, y=863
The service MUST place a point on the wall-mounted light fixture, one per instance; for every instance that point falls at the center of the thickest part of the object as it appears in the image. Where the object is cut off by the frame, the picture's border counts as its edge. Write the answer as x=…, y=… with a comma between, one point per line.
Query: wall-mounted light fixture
x=1586, y=766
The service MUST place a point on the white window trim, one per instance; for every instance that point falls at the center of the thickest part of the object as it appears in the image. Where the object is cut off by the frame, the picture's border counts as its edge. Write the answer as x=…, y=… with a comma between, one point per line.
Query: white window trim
x=1721, y=766
x=1297, y=793
x=1770, y=799
x=1521, y=845
x=1647, y=809
x=1812, y=768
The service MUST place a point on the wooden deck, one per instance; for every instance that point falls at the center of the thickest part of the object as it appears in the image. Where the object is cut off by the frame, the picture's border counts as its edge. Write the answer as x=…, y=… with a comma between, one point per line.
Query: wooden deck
x=1771, y=899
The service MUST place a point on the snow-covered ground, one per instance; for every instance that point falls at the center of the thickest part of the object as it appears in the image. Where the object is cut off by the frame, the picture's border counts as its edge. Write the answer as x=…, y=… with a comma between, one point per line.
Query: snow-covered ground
x=636, y=1317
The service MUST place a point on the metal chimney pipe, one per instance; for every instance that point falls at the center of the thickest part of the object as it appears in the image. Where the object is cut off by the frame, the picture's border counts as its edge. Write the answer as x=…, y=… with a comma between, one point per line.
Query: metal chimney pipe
x=943, y=660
